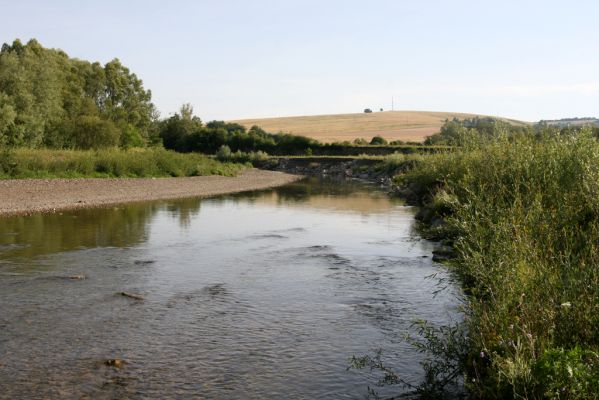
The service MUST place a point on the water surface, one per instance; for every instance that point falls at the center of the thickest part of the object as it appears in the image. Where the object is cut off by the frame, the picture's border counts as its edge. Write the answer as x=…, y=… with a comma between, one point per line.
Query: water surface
x=259, y=295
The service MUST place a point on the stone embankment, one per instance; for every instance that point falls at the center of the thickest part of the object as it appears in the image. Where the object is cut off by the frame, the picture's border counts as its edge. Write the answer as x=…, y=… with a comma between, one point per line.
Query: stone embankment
x=370, y=170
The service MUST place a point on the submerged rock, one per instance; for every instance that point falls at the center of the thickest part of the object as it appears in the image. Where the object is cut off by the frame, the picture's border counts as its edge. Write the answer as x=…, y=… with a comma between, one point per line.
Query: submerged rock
x=132, y=295
x=115, y=362
x=144, y=262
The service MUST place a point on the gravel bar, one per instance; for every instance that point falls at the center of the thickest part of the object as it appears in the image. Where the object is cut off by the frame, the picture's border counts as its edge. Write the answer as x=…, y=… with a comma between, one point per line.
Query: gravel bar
x=28, y=196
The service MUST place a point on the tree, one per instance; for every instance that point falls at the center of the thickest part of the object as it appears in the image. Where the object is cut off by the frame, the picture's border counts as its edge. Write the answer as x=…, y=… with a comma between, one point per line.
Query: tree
x=7, y=119
x=45, y=93
x=126, y=101
x=378, y=140
x=176, y=131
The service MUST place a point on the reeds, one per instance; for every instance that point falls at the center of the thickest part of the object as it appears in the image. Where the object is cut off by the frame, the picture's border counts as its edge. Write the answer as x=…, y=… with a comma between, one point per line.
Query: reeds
x=523, y=217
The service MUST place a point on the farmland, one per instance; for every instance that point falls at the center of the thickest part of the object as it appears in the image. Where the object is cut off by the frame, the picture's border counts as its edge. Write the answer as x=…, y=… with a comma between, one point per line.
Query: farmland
x=392, y=125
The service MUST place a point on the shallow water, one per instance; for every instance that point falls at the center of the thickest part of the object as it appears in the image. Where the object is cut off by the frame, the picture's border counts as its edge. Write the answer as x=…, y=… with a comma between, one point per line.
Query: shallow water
x=259, y=295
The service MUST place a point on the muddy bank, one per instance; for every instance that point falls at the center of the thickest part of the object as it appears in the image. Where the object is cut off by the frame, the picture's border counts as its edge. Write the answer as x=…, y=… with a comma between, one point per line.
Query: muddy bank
x=48, y=195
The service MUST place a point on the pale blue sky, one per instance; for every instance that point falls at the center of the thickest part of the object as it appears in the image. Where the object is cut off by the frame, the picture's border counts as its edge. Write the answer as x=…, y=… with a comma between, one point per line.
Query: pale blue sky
x=263, y=58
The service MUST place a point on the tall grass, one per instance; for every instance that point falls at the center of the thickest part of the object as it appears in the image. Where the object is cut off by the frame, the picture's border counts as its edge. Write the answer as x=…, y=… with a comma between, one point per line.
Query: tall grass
x=400, y=162
x=38, y=163
x=523, y=217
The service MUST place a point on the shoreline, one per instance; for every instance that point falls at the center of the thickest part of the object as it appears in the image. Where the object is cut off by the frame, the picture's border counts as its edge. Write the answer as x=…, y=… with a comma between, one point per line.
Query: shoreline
x=30, y=196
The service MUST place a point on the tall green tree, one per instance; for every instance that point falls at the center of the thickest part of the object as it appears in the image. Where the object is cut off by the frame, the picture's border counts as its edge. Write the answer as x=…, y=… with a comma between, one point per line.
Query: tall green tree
x=46, y=97
x=176, y=130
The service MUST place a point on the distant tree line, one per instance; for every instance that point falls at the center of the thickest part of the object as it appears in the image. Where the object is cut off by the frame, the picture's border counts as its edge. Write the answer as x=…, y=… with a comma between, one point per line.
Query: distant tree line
x=185, y=132
x=458, y=132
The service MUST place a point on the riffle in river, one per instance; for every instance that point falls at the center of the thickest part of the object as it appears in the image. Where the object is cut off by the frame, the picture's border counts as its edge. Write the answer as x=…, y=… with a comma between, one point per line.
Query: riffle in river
x=256, y=295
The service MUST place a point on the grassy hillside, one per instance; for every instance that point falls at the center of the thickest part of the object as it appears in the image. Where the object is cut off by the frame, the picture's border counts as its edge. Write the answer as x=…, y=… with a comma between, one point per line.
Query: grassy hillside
x=392, y=125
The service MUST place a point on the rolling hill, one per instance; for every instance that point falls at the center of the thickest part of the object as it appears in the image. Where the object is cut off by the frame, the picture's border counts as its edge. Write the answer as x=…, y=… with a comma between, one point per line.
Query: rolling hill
x=392, y=125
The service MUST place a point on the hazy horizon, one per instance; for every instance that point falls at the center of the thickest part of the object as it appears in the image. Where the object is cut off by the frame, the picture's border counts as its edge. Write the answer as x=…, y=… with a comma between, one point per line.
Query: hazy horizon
x=526, y=60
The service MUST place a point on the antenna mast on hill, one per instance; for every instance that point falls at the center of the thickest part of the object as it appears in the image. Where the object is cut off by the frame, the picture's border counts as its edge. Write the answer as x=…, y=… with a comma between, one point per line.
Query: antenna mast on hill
x=392, y=104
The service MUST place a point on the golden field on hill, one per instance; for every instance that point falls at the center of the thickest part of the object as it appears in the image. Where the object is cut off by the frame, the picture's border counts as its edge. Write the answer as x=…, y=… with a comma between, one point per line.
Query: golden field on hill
x=392, y=125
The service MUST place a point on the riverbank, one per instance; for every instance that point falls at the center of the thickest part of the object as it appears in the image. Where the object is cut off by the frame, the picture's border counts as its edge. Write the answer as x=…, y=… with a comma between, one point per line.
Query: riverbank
x=340, y=168
x=28, y=196
x=522, y=218
x=22, y=163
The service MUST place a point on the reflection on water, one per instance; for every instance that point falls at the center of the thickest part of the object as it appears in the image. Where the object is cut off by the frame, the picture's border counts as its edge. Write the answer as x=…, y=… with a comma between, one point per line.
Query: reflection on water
x=257, y=295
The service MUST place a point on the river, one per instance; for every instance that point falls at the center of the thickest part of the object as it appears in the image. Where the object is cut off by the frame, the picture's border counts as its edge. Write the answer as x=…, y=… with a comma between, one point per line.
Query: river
x=257, y=295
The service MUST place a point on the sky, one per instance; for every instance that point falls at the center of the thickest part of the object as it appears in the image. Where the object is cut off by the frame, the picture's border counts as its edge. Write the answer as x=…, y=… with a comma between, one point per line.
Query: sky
x=234, y=59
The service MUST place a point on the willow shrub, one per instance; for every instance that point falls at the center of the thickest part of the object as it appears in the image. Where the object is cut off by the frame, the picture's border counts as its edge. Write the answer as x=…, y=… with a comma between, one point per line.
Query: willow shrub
x=39, y=163
x=524, y=216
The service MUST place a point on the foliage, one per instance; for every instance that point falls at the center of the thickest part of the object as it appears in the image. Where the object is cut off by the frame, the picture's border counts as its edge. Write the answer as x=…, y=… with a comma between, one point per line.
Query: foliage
x=378, y=140
x=38, y=163
x=522, y=212
x=175, y=131
x=94, y=132
x=446, y=354
x=131, y=137
x=477, y=130
x=8, y=164
x=571, y=374
x=224, y=153
x=445, y=351
x=185, y=132
x=399, y=162
x=47, y=99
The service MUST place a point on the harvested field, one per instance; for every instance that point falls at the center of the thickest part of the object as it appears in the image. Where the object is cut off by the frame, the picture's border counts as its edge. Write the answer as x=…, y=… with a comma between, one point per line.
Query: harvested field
x=392, y=125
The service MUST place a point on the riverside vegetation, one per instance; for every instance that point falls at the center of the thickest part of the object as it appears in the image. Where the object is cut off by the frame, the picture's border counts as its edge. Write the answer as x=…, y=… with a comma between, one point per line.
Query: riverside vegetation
x=64, y=117
x=109, y=163
x=520, y=209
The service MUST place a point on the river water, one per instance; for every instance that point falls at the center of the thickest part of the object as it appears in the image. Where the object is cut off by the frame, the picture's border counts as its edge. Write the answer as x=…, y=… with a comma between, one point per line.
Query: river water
x=257, y=295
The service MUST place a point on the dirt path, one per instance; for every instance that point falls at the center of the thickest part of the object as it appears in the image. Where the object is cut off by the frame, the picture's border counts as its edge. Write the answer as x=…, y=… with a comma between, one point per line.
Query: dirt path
x=48, y=195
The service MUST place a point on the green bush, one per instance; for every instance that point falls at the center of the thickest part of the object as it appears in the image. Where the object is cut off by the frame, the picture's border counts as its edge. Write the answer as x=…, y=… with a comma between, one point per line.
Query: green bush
x=92, y=132
x=130, y=137
x=524, y=218
x=398, y=162
x=378, y=140
x=224, y=153
x=253, y=157
x=568, y=374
